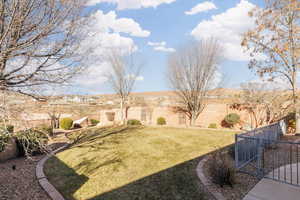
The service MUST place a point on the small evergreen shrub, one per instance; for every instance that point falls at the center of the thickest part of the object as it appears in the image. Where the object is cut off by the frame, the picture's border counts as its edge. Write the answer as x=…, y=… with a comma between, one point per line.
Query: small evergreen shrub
x=94, y=122
x=66, y=123
x=212, y=125
x=46, y=129
x=133, y=122
x=220, y=170
x=161, y=121
x=231, y=119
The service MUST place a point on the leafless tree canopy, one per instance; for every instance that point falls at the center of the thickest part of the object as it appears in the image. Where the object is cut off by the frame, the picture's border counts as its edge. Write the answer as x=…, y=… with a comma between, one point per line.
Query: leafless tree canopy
x=125, y=70
x=263, y=102
x=38, y=41
x=191, y=73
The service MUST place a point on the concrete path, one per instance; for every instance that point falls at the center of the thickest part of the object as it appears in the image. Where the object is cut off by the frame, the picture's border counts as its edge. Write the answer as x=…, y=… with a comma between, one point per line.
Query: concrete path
x=268, y=189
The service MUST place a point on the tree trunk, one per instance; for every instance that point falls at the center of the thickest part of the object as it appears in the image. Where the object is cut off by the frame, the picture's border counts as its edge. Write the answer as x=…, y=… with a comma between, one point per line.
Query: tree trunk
x=193, y=120
x=122, y=113
x=297, y=114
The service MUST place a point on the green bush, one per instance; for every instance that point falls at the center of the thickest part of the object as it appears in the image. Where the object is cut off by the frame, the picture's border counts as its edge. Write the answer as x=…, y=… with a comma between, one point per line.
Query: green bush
x=31, y=142
x=66, y=123
x=161, y=121
x=133, y=122
x=94, y=122
x=232, y=119
x=8, y=129
x=220, y=170
x=46, y=129
x=3, y=141
x=212, y=125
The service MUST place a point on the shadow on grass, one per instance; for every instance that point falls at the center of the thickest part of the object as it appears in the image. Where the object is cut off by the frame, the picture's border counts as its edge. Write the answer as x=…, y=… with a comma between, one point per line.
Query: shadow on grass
x=179, y=182
x=57, y=171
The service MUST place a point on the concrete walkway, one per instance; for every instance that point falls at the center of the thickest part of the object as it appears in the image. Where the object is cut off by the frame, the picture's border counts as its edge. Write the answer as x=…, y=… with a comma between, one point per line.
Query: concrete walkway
x=268, y=189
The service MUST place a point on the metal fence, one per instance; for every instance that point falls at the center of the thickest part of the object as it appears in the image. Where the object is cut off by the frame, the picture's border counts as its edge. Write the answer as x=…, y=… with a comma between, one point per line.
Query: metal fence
x=261, y=153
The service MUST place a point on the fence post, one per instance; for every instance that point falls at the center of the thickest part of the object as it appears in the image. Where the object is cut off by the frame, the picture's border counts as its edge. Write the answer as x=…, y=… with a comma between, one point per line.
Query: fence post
x=236, y=152
x=260, y=158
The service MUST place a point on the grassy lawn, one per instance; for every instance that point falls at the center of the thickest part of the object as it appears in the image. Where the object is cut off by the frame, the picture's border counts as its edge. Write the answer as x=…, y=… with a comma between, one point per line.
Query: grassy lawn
x=135, y=163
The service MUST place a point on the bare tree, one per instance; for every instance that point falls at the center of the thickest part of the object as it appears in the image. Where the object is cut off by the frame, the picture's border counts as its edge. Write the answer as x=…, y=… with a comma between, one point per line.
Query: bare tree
x=38, y=42
x=263, y=102
x=277, y=36
x=125, y=70
x=192, y=72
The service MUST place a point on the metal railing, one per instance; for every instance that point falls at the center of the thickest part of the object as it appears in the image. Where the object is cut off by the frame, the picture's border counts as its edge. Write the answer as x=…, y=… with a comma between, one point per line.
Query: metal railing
x=261, y=153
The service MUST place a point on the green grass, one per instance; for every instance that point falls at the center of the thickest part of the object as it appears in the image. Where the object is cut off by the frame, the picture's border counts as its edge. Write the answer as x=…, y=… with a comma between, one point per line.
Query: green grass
x=135, y=163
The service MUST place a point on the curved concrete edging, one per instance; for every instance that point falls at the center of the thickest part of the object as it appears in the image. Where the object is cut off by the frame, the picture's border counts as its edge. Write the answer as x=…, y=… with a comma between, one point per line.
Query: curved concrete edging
x=43, y=181
x=206, y=182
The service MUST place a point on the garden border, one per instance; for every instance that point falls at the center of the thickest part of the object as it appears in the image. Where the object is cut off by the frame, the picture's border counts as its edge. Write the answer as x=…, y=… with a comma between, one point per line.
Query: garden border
x=205, y=181
x=42, y=179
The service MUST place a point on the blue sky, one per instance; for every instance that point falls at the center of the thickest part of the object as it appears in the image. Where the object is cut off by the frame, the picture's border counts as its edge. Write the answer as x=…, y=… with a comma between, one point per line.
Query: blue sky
x=166, y=21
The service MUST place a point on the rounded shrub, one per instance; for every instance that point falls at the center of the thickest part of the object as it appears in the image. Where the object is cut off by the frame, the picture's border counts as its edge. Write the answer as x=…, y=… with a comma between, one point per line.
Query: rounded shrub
x=66, y=123
x=232, y=119
x=94, y=122
x=161, y=121
x=212, y=125
x=133, y=122
x=46, y=129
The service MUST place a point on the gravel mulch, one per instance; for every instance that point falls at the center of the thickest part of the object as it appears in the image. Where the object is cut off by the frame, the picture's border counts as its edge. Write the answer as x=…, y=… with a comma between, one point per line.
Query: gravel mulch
x=18, y=180
x=17, y=176
x=243, y=183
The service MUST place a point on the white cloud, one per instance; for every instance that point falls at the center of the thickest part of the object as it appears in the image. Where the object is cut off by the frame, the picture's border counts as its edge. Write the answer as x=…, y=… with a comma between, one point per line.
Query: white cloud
x=201, y=7
x=228, y=28
x=110, y=21
x=164, y=49
x=157, y=44
x=161, y=46
x=131, y=4
x=104, y=34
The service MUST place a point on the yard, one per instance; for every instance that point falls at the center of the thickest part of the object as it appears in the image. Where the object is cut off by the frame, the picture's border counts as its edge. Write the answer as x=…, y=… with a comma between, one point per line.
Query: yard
x=134, y=163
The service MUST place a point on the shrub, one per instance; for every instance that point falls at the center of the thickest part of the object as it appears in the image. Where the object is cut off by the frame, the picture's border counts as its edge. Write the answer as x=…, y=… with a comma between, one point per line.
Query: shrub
x=31, y=142
x=94, y=122
x=133, y=122
x=161, y=121
x=220, y=170
x=212, y=125
x=232, y=119
x=3, y=141
x=66, y=123
x=8, y=129
x=46, y=129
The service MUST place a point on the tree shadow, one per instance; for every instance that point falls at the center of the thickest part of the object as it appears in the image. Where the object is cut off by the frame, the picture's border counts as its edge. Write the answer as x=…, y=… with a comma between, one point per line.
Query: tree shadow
x=176, y=183
x=179, y=182
x=64, y=177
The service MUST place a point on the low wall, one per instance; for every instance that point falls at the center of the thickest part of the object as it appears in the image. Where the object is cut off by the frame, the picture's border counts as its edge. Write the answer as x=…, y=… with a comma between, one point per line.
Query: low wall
x=10, y=151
